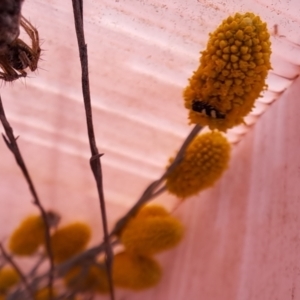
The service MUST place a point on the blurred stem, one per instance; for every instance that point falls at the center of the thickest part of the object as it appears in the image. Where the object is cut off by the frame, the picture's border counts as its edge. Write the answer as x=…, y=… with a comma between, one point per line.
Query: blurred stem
x=18, y=270
x=34, y=269
x=87, y=255
x=11, y=142
x=152, y=191
x=95, y=162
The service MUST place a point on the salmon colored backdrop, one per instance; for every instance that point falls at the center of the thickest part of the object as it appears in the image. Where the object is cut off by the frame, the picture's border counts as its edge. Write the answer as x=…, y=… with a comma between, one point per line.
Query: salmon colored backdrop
x=242, y=240
x=242, y=235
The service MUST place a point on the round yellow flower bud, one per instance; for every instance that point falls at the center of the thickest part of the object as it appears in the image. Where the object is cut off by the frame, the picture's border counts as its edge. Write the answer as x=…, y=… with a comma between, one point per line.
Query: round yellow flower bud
x=94, y=279
x=69, y=240
x=30, y=234
x=135, y=272
x=8, y=278
x=232, y=73
x=151, y=234
x=205, y=160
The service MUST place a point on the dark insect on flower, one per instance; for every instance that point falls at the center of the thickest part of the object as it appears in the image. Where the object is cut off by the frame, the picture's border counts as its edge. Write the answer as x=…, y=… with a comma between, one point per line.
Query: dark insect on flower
x=15, y=54
x=206, y=109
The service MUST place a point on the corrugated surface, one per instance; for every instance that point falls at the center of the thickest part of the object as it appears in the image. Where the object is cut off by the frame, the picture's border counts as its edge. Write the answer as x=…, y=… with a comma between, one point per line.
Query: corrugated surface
x=242, y=239
x=141, y=54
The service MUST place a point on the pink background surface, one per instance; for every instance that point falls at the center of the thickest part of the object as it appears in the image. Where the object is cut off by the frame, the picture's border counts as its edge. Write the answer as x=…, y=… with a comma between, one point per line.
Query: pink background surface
x=242, y=240
x=242, y=235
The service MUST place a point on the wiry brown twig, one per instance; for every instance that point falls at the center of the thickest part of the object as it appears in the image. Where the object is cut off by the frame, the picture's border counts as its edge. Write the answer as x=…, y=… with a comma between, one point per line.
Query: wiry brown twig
x=87, y=255
x=11, y=142
x=152, y=191
x=18, y=270
x=39, y=262
x=95, y=158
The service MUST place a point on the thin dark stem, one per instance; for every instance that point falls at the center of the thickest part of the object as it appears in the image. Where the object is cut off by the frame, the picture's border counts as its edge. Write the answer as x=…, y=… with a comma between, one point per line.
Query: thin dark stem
x=158, y=192
x=11, y=142
x=18, y=270
x=33, y=271
x=80, y=258
x=95, y=162
x=151, y=190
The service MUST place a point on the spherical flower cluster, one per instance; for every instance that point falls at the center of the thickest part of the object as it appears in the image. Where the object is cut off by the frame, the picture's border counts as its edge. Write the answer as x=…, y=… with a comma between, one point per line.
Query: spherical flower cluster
x=205, y=160
x=92, y=279
x=135, y=272
x=69, y=240
x=30, y=234
x=151, y=231
x=232, y=72
x=8, y=278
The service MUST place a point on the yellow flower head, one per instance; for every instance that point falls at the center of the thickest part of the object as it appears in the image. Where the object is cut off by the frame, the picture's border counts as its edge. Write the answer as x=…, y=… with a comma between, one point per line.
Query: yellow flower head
x=232, y=73
x=8, y=278
x=205, y=160
x=92, y=279
x=135, y=272
x=149, y=234
x=30, y=234
x=70, y=240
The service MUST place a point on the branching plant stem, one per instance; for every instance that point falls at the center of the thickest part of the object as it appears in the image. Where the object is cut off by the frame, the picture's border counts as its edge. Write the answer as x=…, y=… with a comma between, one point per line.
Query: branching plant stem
x=95, y=162
x=11, y=142
x=18, y=270
x=110, y=239
x=152, y=191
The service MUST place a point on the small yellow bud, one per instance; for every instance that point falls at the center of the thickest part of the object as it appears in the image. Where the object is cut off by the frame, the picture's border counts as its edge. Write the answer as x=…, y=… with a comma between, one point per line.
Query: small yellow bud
x=149, y=234
x=8, y=278
x=70, y=240
x=30, y=234
x=205, y=160
x=135, y=272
